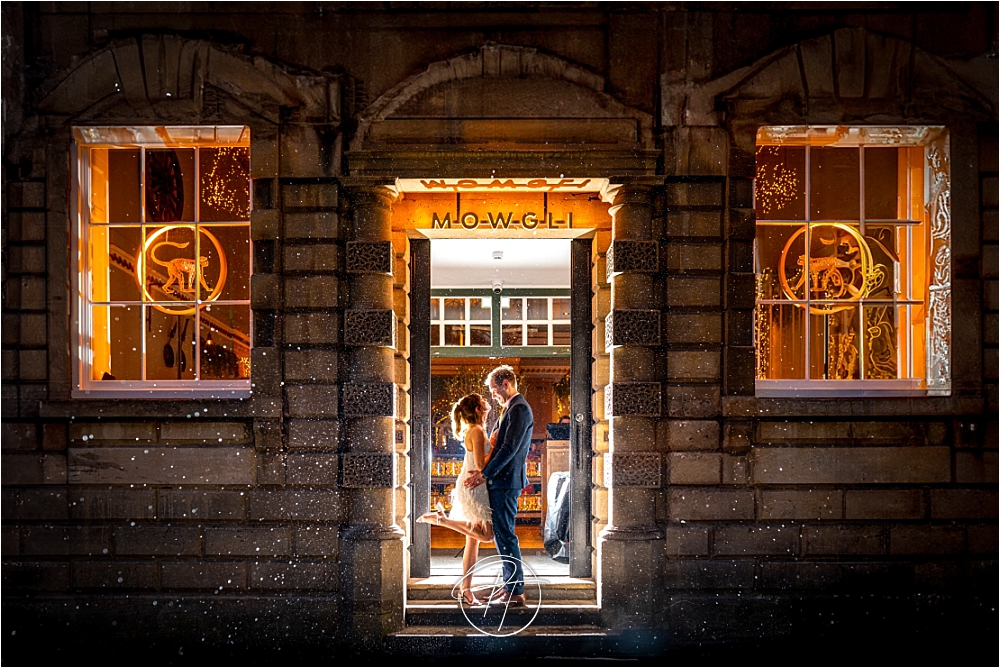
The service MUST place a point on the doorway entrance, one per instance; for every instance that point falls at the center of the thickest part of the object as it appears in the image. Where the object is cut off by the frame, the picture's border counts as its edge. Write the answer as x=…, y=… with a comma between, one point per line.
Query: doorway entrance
x=521, y=319
x=478, y=300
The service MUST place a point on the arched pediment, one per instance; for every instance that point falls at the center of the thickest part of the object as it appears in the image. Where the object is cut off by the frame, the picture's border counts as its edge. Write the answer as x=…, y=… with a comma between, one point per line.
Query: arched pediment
x=850, y=75
x=166, y=77
x=502, y=97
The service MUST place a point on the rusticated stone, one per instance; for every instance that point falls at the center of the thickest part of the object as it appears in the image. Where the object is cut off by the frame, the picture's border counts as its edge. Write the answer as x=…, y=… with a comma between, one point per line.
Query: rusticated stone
x=757, y=540
x=624, y=399
x=298, y=574
x=694, y=468
x=702, y=503
x=635, y=327
x=369, y=257
x=369, y=399
x=162, y=466
x=202, y=505
x=783, y=504
x=632, y=469
x=851, y=465
x=367, y=470
x=626, y=255
x=312, y=328
x=370, y=327
x=219, y=575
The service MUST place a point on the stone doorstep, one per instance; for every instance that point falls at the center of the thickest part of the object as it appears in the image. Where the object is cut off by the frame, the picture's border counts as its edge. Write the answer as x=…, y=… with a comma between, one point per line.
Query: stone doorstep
x=446, y=614
x=569, y=591
x=537, y=631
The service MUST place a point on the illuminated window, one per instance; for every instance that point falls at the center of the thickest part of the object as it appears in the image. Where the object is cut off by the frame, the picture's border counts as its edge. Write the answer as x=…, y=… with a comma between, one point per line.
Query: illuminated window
x=526, y=322
x=852, y=261
x=162, y=261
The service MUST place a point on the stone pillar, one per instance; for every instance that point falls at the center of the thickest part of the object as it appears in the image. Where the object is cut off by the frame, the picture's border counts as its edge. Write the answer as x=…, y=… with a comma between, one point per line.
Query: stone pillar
x=631, y=546
x=372, y=546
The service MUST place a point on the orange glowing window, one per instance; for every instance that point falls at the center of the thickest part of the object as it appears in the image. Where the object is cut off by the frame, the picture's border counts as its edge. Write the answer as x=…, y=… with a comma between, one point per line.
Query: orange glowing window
x=852, y=261
x=163, y=262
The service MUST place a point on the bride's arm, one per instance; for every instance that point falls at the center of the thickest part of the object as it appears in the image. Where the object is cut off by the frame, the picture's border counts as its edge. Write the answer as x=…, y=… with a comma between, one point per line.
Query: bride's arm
x=477, y=438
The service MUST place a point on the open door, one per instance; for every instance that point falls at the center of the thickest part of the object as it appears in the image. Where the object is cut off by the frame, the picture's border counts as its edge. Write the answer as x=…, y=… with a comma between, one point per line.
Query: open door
x=420, y=405
x=581, y=424
x=437, y=352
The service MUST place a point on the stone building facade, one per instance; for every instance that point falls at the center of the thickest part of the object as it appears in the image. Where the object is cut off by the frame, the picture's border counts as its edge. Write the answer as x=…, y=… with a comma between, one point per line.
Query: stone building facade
x=718, y=513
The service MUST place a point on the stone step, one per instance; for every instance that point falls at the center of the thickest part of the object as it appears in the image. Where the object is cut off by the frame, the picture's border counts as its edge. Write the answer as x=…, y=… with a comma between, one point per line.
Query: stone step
x=564, y=591
x=439, y=588
x=551, y=613
x=539, y=640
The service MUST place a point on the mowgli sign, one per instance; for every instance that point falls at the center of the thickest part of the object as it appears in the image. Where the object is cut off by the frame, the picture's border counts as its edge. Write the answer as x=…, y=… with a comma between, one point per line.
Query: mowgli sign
x=470, y=220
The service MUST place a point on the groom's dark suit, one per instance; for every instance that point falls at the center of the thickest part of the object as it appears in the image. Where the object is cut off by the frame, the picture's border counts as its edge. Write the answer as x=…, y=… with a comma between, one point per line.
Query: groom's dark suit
x=506, y=476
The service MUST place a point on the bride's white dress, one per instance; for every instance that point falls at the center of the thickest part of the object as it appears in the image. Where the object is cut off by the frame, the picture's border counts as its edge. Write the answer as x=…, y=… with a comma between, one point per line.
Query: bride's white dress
x=471, y=505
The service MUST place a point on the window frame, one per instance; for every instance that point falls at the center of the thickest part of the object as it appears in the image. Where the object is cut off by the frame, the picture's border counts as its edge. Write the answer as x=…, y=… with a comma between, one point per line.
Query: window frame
x=143, y=137
x=935, y=141
x=497, y=349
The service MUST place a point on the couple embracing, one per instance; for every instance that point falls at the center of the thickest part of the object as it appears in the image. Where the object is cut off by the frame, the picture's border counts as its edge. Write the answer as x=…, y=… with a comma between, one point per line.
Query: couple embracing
x=484, y=503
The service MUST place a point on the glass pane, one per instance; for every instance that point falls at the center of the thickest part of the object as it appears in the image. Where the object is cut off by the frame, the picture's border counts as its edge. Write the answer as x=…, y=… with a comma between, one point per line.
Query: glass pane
x=116, y=343
x=538, y=335
x=561, y=335
x=779, y=189
x=225, y=273
x=780, y=342
x=454, y=309
x=124, y=188
x=560, y=308
x=883, y=199
x=170, y=346
x=511, y=308
x=834, y=174
x=837, y=263
x=435, y=335
x=169, y=266
x=123, y=249
x=479, y=335
x=435, y=309
x=512, y=335
x=169, y=185
x=834, y=345
x=454, y=335
x=225, y=183
x=777, y=262
x=538, y=309
x=225, y=342
x=884, y=281
x=480, y=308
x=881, y=343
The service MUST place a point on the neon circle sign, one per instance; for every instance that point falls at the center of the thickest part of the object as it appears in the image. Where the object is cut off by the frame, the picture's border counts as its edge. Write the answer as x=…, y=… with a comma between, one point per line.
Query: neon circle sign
x=186, y=273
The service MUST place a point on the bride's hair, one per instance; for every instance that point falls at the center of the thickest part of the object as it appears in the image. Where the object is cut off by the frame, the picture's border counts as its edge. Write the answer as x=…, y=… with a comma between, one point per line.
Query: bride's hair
x=464, y=414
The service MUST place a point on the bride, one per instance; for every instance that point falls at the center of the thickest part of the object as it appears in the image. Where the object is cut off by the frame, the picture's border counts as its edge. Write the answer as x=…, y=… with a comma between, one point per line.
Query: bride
x=470, y=508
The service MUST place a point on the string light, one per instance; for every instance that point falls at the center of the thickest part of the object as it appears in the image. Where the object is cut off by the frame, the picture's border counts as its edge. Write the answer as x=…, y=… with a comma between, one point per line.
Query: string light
x=777, y=184
x=227, y=189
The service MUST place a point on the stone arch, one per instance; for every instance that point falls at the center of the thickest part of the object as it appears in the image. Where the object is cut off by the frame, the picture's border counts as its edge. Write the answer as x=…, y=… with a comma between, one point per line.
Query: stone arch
x=501, y=84
x=850, y=75
x=167, y=77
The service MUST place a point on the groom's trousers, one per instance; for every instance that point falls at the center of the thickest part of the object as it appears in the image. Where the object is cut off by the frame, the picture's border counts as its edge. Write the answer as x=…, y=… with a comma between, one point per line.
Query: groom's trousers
x=503, y=502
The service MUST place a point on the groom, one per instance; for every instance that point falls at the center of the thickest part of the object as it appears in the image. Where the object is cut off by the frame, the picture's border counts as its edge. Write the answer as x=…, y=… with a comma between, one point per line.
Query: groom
x=505, y=476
